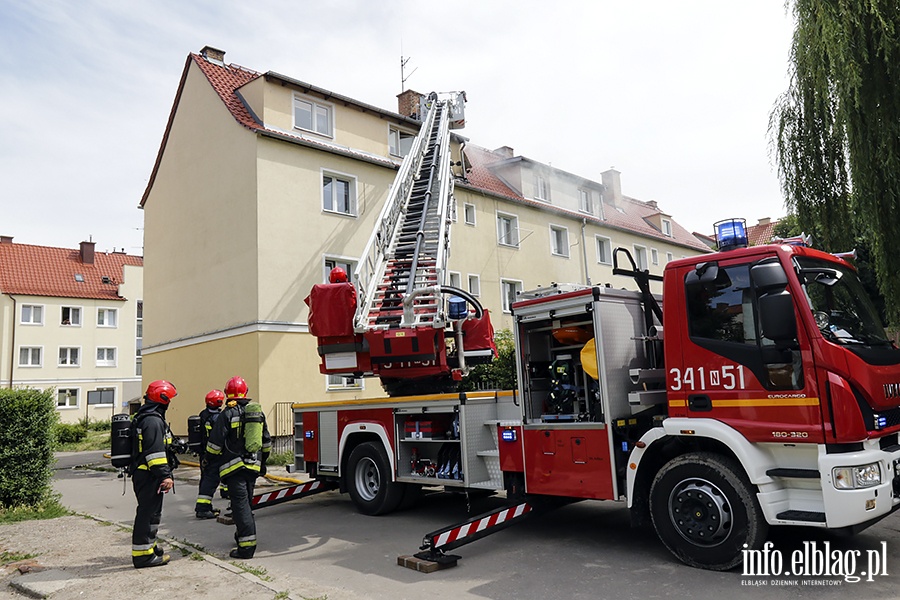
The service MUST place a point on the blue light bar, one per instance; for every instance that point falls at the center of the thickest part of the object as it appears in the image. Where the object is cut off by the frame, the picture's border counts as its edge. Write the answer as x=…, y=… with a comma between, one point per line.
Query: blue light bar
x=731, y=234
x=309, y=434
x=508, y=435
x=880, y=422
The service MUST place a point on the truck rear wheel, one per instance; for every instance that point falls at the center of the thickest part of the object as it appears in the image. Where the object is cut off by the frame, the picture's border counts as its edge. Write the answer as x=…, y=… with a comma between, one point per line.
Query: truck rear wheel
x=704, y=510
x=369, y=480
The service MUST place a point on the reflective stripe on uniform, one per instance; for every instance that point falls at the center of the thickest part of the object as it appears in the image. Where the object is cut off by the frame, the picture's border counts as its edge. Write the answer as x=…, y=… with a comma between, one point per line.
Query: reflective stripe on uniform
x=230, y=466
x=246, y=541
x=204, y=500
x=213, y=448
x=142, y=549
x=157, y=458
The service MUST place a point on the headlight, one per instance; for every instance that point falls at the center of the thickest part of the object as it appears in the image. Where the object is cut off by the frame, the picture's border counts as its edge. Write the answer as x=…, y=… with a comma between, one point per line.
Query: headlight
x=852, y=478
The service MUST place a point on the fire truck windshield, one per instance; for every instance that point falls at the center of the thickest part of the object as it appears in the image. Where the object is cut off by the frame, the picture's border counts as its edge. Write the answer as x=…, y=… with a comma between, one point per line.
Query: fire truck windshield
x=842, y=308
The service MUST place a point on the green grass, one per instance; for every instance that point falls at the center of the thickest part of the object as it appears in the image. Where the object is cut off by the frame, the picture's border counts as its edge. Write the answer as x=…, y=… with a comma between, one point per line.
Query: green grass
x=11, y=557
x=95, y=440
x=47, y=509
x=258, y=571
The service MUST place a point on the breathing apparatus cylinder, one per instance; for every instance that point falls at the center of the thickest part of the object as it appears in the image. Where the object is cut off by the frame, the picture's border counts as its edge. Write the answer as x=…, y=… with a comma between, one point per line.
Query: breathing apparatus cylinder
x=194, y=435
x=253, y=427
x=120, y=436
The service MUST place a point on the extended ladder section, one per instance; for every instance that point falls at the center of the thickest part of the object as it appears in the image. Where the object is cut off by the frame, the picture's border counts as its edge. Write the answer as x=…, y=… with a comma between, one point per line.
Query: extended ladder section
x=405, y=259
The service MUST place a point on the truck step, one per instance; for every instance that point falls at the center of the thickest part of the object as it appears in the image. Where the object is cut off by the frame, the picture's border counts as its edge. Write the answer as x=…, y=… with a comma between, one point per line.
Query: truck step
x=807, y=516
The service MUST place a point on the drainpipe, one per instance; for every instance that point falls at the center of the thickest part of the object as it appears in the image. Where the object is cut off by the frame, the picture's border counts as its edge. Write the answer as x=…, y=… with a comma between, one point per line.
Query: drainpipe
x=587, y=278
x=12, y=348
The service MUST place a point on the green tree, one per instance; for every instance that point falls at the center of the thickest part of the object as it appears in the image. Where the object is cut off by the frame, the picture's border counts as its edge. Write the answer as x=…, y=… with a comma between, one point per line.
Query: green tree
x=500, y=373
x=836, y=131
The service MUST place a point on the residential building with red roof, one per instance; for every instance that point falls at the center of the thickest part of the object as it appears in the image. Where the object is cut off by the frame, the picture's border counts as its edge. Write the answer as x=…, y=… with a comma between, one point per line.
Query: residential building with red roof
x=71, y=319
x=264, y=182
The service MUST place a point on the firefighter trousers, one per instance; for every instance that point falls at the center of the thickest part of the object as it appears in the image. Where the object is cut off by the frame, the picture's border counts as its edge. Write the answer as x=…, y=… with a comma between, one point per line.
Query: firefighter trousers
x=209, y=481
x=240, y=488
x=146, y=517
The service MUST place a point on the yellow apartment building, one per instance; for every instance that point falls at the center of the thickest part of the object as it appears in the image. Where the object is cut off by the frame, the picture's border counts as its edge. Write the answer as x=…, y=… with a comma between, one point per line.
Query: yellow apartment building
x=71, y=320
x=263, y=183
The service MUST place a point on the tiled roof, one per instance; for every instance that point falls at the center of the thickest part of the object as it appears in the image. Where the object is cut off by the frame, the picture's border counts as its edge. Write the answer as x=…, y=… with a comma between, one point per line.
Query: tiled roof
x=44, y=271
x=632, y=217
x=761, y=234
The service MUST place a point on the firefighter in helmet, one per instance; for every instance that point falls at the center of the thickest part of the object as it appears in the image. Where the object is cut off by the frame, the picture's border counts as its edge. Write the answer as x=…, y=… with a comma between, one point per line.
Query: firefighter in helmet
x=209, y=472
x=337, y=275
x=151, y=471
x=240, y=441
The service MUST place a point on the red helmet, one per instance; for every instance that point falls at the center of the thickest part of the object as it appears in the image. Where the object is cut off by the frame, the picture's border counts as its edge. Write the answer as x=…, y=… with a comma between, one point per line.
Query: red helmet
x=236, y=388
x=161, y=391
x=337, y=275
x=215, y=398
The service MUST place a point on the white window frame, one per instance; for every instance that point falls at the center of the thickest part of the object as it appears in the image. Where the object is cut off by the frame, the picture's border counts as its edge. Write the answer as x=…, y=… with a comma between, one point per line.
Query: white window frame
x=669, y=257
x=106, y=362
x=450, y=279
x=396, y=135
x=105, y=311
x=332, y=384
x=505, y=303
x=585, y=201
x=475, y=289
x=514, y=229
x=654, y=256
x=564, y=250
x=68, y=363
x=73, y=310
x=30, y=364
x=331, y=261
x=607, y=244
x=350, y=180
x=67, y=405
x=315, y=104
x=541, y=188
x=667, y=227
x=31, y=310
x=139, y=328
x=639, y=252
x=467, y=212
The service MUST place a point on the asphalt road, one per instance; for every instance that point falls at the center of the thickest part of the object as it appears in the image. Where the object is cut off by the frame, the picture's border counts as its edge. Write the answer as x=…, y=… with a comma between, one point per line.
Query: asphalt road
x=582, y=551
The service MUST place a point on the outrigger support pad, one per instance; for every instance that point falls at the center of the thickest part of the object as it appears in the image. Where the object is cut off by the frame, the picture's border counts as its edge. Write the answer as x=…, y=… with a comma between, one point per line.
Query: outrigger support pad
x=436, y=543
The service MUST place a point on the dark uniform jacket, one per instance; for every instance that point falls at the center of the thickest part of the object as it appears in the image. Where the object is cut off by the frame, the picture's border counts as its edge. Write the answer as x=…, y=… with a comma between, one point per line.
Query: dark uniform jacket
x=152, y=439
x=226, y=442
x=207, y=418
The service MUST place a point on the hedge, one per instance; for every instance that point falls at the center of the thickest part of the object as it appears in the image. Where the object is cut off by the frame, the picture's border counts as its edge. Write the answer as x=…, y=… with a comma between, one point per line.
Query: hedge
x=27, y=417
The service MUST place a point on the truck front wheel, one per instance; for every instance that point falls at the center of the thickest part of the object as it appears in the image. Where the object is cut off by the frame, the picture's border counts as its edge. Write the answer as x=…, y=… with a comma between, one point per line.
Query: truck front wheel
x=369, y=480
x=705, y=511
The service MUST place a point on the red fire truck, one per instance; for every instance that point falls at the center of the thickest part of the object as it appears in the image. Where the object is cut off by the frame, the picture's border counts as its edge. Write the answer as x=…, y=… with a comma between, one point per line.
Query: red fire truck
x=760, y=390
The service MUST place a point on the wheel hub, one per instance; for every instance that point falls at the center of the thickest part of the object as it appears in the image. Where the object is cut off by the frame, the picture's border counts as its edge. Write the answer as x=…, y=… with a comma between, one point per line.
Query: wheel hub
x=700, y=512
x=368, y=479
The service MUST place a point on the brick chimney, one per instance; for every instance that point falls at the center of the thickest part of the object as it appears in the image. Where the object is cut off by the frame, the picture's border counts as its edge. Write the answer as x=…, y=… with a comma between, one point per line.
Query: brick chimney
x=87, y=253
x=505, y=152
x=213, y=54
x=408, y=103
x=6, y=239
x=764, y=221
x=613, y=184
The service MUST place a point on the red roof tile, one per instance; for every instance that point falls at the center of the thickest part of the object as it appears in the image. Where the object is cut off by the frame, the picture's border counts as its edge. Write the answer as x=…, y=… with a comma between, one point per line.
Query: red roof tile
x=758, y=235
x=44, y=271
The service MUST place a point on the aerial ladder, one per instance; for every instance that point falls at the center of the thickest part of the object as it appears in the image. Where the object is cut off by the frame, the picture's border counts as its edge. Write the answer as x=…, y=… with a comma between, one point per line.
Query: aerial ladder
x=398, y=319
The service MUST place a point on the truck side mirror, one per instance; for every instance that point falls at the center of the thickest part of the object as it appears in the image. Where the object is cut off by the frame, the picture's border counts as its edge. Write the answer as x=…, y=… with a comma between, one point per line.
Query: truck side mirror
x=776, y=316
x=768, y=276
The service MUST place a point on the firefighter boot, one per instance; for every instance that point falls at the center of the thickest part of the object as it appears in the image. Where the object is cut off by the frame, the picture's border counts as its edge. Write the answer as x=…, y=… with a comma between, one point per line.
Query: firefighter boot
x=207, y=514
x=156, y=561
x=238, y=553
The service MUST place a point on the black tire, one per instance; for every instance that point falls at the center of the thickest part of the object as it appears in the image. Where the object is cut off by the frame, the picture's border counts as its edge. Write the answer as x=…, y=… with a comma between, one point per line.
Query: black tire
x=705, y=510
x=369, y=480
x=412, y=493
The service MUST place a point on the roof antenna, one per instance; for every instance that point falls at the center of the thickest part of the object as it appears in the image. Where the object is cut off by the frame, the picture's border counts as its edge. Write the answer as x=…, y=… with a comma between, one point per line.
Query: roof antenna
x=403, y=76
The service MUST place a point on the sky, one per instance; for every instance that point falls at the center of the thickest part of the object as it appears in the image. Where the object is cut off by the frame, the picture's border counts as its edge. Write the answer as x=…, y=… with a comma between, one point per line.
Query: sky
x=674, y=95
